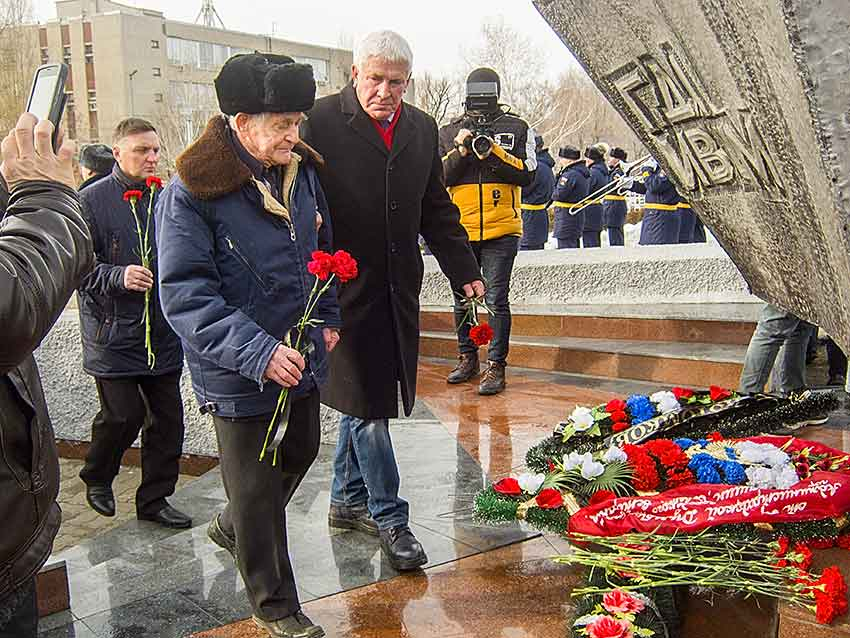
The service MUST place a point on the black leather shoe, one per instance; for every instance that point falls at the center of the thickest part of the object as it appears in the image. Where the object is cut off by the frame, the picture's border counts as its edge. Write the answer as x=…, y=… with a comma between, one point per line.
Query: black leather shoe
x=344, y=517
x=402, y=549
x=101, y=499
x=467, y=367
x=168, y=517
x=295, y=626
x=220, y=537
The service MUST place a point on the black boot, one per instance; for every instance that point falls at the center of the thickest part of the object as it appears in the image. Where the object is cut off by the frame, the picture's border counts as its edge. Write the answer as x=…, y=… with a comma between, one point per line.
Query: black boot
x=467, y=368
x=101, y=499
x=402, y=549
x=493, y=381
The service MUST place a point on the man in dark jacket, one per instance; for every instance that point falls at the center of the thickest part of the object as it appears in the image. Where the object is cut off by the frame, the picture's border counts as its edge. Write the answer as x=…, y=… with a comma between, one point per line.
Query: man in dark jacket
x=484, y=172
x=591, y=236
x=96, y=162
x=45, y=248
x=384, y=184
x=572, y=185
x=614, y=207
x=536, y=199
x=241, y=221
x=113, y=303
x=661, y=218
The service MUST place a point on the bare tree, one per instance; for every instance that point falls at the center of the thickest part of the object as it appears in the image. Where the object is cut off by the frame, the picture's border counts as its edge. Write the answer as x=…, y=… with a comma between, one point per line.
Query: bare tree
x=439, y=96
x=181, y=118
x=18, y=58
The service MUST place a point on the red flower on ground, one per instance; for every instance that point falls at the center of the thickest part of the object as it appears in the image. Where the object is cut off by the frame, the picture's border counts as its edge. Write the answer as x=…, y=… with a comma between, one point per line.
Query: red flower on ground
x=153, y=179
x=682, y=393
x=508, y=486
x=322, y=264
x=619, y=602
x=618, y=416
x=718, y=394
x=830, y=593
x=481, y=334
x=132, y=195
x=842, y=541
x=608, y=627
x=616, y=405
x=804, y=556
x=549, y=499
x=826, y=543
x=344, y=266
x=784, y=544
x=601, y=497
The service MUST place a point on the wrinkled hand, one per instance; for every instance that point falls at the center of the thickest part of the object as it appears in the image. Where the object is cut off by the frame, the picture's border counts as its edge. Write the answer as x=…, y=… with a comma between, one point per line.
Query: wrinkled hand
x=28, y=154
x=461, y=138
x=285, y=367
x=331, y=336
x=138, y=278
x=474, y=289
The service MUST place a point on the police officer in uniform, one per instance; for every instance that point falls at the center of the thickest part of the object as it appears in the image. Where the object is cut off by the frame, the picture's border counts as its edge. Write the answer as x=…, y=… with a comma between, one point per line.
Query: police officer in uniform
x=571, y=187
x=614, y=207
x=488, y=156
x=687, y=222
x=595, y=158
x=536, y=199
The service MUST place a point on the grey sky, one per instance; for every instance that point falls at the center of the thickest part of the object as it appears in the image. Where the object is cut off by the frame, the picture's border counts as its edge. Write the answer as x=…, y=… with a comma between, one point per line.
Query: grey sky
x=436, y=29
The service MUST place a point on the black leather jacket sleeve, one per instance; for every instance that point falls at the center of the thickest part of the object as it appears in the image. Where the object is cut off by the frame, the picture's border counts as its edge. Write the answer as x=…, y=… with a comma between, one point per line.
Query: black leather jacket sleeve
x=45, y=249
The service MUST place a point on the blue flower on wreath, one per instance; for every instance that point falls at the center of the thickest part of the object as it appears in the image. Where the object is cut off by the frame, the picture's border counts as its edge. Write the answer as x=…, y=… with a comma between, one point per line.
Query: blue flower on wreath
x=733, y=473
x=704, y=467
x=684, y=443
x=640, y=408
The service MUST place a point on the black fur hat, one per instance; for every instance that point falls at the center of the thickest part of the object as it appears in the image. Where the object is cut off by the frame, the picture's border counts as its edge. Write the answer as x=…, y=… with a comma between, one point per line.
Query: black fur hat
x=569, y=152
x=264, y=83
x=97, y=158
x=594, y=153
x=619, y=154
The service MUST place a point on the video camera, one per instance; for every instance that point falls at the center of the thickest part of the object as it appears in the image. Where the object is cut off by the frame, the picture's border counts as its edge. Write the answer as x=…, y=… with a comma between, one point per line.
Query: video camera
x=482, y=109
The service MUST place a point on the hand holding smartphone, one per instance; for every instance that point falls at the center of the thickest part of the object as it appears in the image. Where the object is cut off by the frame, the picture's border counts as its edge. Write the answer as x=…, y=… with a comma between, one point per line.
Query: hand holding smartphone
x=47, y=96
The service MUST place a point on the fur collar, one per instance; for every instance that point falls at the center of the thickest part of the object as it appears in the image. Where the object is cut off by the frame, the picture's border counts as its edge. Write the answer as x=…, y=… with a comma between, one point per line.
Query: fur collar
x=210, y=167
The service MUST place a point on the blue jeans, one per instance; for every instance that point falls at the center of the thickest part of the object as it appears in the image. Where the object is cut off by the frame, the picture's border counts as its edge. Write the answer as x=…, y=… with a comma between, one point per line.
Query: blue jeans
x=496, y=258
x=365, y=471
x=776, y=329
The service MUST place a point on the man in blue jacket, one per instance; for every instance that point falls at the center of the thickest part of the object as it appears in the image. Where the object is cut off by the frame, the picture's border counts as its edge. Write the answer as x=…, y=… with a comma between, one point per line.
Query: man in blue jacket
x=536, y=199
x=661, y=219
x=614, y=207
x=112, y=301
x=591, y=236
x=241, y=221
x=571, y=187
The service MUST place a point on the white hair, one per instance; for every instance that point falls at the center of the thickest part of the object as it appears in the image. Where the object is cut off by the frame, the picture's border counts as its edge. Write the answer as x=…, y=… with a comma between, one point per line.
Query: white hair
x=385, y=45
x=231, y=119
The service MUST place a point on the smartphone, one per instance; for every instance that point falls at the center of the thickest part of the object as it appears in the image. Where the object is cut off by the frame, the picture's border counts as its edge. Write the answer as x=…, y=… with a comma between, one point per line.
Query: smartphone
x=47, y=97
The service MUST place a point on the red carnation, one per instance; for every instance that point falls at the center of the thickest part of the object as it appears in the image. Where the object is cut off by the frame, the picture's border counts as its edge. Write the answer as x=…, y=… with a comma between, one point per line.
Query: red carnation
x=718, y=394
x=714, y=436
x=133, y=196
x=481, y=334
x=805, y=556
x=344, y=266
x=619, y=427
x=826, y=543
x=618, y=416
x=153, y=180
x=783, y=544
x=616, y=405
x=842, y=541
x=549, y=499
x=601, y=497
x=551, y=465
x=610, y=627
x=619, y=602
x=508, y=486
x=322, y=264
x=683, y=393
x=830, y=593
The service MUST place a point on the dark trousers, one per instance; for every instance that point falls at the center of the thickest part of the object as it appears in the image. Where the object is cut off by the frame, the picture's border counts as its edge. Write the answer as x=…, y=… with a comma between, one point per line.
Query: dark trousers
x=837, y=360
x=496, y=258
x=591, y=238
x=258, y=493
x=616, y=236
x=533, y=247
x=569, y=242
x=126, y=405
x=22, y=620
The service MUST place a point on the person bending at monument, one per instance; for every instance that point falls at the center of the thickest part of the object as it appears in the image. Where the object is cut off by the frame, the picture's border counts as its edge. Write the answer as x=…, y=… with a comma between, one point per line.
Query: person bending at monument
x=136, y=391
x=572, y=185
x=384, y=184
x=45, y=248
x=242, y=219
x=536, y=199
x=488, y=156
x=614, y=207
x=595, y=160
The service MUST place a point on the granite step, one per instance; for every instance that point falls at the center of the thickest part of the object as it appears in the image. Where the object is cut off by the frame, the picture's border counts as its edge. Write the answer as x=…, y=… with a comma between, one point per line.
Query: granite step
x=687, y=364
x=717, y=323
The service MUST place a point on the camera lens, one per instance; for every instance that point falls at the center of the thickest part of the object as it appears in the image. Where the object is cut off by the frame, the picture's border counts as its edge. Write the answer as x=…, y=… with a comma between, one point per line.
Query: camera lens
x=482, y=145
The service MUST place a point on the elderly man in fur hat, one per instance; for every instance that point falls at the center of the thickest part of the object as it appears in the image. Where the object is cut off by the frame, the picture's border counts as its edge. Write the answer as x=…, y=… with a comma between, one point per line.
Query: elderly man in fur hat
x=241, y=220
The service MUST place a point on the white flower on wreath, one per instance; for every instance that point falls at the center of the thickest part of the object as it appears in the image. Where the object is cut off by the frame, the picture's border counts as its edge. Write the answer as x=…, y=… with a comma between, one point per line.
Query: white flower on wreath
x=761, y=454
x=615, y=455
x=758, y=476
x=666, y=402
x=574, y=460
x=531, y=483
x=785, y=476
x=590, y=469
x=582, y=419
